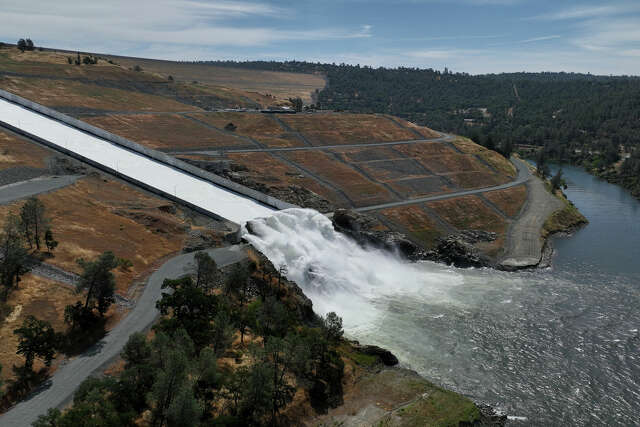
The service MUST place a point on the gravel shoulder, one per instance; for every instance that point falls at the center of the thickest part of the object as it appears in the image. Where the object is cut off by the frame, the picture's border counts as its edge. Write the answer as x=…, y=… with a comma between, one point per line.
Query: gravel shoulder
x=524, y=238
x=58, y=390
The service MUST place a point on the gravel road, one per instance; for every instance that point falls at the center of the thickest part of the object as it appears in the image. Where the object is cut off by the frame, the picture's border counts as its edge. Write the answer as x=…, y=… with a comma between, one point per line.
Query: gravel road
x=524, y=243
x=44, y=184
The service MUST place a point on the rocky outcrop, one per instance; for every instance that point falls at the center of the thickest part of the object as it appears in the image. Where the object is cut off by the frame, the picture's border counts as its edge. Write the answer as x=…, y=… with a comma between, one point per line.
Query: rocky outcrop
x=456, y=249
x=384, y=355
x=362, y=228
x=293, y=194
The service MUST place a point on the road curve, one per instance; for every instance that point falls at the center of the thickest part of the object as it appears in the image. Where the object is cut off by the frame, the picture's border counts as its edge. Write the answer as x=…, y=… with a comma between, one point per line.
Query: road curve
x=32, y=187
x=523, y=176
x=58, y=390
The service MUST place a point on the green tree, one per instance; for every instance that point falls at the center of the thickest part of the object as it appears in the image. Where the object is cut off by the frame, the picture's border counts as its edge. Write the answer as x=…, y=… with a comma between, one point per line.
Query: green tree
x=222, y=332
x=50, y=241
x=206, y=270
x=237, y=281
x=557, y=181
x=34, y=221
x=541, y=164
x=22, y=45
x=171, y=395
x=98, y=281
x=36, y=338
x=333, y=327
x=137, y=378
x=297, y=104
x=13, y=256
x=191, y=309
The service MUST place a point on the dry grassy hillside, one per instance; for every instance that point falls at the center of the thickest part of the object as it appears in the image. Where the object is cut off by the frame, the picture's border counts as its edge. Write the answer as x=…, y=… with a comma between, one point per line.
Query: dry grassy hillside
x=280, y=85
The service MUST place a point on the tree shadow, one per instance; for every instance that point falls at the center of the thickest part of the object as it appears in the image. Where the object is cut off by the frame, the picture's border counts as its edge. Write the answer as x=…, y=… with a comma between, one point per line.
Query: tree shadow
x=85, y=339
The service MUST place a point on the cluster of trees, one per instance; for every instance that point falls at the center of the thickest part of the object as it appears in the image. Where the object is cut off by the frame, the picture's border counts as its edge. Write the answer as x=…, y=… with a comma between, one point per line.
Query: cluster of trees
x=25, y=44
x=297, y=104
x=32, y=228
x=37, y=339
x=86, y=59
x=175, y=377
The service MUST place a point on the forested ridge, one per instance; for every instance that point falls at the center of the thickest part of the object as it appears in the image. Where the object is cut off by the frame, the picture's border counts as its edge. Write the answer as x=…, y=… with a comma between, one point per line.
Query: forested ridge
x=579, y=118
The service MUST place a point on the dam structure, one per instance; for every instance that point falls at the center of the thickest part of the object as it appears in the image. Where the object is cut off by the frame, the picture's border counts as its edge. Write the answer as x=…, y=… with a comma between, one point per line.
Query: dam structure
x=153, y=170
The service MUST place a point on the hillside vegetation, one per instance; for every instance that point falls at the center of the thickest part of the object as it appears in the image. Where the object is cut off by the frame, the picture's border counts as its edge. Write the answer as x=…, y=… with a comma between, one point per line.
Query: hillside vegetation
x=583, y=119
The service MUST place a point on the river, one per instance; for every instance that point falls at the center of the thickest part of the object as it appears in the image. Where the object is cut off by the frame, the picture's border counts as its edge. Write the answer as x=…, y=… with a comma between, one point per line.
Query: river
x=550, y=347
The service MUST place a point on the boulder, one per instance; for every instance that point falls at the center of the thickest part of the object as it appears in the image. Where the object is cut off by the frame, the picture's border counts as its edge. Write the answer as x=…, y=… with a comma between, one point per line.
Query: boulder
x=385, y=356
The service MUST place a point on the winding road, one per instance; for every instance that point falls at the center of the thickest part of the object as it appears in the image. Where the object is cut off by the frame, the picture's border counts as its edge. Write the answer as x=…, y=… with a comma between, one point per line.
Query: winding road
x=58, y=390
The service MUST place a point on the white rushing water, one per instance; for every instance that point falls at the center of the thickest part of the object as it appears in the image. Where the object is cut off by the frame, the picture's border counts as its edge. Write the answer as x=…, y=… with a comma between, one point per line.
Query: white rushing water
x=548, y=347
x=165, y=178
x=338, y=274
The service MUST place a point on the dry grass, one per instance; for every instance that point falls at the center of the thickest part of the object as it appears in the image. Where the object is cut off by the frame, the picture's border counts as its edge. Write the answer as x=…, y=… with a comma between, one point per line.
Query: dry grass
x=415, y=220
x=359, y=155
x=422, y=130
x=468, y=146
x=501, y=164
x=346, y=128
x=362, y=191
x=268, y=170
x=453, y=162
x=16, y=151
x=166, y=131
x=468, y=180
x=37, y=296
x=468, y=213
x=278, y=84
x=424, y=149
x=96, y=215
x=510, y=201
x=68, y=93
x=260, y=127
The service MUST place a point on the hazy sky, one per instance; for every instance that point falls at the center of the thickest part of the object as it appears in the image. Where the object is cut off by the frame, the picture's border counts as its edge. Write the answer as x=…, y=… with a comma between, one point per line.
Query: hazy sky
x=476, y=36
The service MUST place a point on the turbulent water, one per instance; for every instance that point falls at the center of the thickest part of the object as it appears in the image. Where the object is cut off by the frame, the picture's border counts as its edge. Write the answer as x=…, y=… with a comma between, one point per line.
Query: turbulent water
x=553, y=347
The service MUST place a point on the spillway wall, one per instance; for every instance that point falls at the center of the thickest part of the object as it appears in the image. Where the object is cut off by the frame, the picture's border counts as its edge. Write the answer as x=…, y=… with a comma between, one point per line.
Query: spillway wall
x=145, y=151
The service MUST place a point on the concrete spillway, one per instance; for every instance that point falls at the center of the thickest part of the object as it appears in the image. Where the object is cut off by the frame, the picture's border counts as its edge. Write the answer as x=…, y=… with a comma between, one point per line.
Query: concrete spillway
x=135, y=166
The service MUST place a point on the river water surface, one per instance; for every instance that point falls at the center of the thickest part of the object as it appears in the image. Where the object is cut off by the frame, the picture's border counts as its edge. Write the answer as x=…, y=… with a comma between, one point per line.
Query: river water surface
x=559, y=346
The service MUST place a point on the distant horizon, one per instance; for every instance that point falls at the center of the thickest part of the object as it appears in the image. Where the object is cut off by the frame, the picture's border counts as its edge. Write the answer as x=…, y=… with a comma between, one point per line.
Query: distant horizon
x=474, y=36
x=249, y=60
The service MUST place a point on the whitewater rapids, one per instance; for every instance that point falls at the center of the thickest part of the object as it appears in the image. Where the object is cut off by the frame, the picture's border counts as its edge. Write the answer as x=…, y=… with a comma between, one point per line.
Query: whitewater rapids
x=339, y=275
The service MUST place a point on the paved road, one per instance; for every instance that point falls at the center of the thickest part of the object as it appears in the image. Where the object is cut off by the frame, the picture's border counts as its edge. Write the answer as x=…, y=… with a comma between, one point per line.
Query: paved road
x=523, y=176
x=32, y=187
x=443, y=138
x=524, y=243
x=58, y=391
